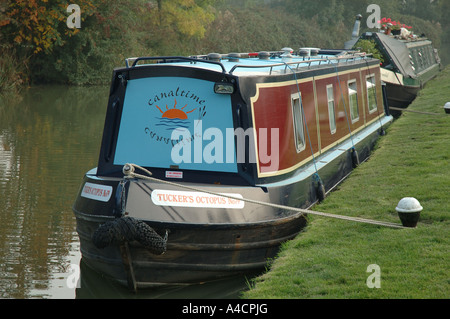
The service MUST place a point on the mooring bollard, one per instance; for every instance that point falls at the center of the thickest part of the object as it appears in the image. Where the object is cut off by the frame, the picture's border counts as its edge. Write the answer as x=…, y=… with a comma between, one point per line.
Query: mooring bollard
x=447, y=107
x=408, y=209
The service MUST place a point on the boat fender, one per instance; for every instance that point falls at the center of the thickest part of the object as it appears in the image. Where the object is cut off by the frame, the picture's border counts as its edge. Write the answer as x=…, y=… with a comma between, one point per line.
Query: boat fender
x=320, y=188
x=355, y=157
x=120, y=199
x=127, y=229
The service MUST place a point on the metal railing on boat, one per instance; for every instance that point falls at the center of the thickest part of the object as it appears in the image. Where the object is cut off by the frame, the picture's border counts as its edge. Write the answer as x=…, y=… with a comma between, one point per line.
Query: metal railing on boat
x=329, y=60
x=294, y=60
x=170, y=59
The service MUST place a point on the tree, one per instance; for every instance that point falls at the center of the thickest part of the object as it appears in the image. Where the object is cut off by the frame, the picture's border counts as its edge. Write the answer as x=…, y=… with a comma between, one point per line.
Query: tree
x=186, y=17
x=39, y=25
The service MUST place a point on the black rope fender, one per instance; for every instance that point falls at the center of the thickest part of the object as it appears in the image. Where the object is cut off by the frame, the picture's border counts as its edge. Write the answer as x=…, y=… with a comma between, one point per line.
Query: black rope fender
x=127, y=229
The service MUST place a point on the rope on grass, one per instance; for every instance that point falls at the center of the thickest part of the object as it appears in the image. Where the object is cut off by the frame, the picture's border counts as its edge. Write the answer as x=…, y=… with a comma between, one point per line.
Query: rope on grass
x=129, y=172
x=414, y=111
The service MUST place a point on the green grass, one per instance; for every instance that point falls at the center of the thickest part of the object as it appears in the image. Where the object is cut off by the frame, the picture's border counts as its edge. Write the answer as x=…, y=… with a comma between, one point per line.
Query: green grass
x=329, y=259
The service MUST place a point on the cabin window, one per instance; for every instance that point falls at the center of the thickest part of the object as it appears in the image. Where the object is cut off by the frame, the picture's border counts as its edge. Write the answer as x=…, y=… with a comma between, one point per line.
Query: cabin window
x=297, y=112
x=331, y=111
x=353, y=100
x=371, y=92
x=430, y=55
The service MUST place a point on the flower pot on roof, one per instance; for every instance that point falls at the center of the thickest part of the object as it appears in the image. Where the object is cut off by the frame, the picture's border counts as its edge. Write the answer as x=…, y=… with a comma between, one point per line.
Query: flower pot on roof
x=390, y=26
x=387, y=28
x=396, y=26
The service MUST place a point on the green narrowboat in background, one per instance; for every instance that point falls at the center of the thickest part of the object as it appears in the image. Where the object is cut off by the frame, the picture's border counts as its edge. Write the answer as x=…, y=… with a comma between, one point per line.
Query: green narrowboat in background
x=408, y=61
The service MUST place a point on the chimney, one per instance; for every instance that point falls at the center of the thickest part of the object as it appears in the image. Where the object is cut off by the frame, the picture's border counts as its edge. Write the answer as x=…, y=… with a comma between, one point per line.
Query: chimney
x=355, y=33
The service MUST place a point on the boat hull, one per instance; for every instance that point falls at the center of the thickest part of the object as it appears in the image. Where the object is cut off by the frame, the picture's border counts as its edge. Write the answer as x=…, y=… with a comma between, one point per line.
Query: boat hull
x=401, y=96
x=195, y=254
x=217, y=245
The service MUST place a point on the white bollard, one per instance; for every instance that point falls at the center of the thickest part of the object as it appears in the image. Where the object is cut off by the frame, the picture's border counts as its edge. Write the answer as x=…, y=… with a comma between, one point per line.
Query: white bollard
x=408, y=209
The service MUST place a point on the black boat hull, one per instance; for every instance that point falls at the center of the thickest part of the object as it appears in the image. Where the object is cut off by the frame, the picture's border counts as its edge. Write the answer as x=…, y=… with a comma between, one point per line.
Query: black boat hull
x=195, y=254
x=226, y=243
x=401, y=96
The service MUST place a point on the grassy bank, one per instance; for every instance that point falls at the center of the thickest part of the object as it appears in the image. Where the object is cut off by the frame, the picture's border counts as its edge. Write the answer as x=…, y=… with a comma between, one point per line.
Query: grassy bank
x=331, y=257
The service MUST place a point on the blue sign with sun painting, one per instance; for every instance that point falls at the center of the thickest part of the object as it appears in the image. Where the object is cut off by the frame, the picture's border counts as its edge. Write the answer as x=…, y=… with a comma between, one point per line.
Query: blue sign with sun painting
x=169, y=121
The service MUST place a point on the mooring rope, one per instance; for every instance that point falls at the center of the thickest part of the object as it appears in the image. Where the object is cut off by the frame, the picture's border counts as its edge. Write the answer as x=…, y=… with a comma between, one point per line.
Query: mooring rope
x=414, y=111
x=304, y=117
x=129, y=172
x=343, y=101
x=374, y=90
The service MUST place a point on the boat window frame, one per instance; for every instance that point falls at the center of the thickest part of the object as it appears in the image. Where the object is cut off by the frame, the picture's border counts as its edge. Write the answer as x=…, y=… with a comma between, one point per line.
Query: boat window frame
x=332, y=110
x=297, y=108
x=353, y=92
x=371, y=90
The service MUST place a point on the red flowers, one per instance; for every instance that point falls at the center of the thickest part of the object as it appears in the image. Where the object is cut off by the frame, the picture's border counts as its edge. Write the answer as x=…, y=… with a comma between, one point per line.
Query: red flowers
x=395, y=24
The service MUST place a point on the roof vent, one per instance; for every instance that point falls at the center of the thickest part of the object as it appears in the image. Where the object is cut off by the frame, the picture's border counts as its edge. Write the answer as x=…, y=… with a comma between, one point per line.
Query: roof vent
x=303, y=52
x=233, y=57
x=264, y=55
x=286, y=53
x=214, y=57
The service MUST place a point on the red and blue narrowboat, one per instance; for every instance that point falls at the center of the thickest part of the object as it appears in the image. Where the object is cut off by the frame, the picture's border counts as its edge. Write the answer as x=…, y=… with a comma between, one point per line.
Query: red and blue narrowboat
x=202, y=157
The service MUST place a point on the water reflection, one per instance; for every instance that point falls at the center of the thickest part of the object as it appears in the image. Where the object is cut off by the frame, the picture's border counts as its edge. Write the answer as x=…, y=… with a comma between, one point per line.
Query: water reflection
x=49, y=137
x=93, y=285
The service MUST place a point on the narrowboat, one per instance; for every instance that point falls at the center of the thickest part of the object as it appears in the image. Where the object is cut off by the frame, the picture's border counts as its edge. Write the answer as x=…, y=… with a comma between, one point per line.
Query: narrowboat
x=202, y=158
x=408, y=62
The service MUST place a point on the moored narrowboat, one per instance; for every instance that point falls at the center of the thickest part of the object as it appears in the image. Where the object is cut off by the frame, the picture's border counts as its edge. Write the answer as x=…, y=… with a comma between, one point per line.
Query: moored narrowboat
x=409, y=61
x=202, y=157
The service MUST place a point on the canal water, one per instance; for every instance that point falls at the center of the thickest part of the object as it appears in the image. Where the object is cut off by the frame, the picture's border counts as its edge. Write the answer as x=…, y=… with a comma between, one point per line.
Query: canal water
x=49, y=137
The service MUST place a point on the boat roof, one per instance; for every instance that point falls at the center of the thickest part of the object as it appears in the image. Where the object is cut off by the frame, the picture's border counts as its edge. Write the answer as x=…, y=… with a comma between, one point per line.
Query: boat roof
x=261, y=63
x=398, y=50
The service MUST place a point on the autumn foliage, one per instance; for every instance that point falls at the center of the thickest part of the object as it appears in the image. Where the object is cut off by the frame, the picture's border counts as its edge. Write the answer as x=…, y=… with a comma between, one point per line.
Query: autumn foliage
x=39, y=24
x=36, y=33
x=37, y=45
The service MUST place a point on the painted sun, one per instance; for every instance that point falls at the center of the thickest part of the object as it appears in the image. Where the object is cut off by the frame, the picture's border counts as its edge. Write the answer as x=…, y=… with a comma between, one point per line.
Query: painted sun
x=175, y=113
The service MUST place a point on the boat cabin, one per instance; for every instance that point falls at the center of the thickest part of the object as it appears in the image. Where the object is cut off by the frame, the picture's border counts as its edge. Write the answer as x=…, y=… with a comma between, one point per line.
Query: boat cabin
x=239, y=119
